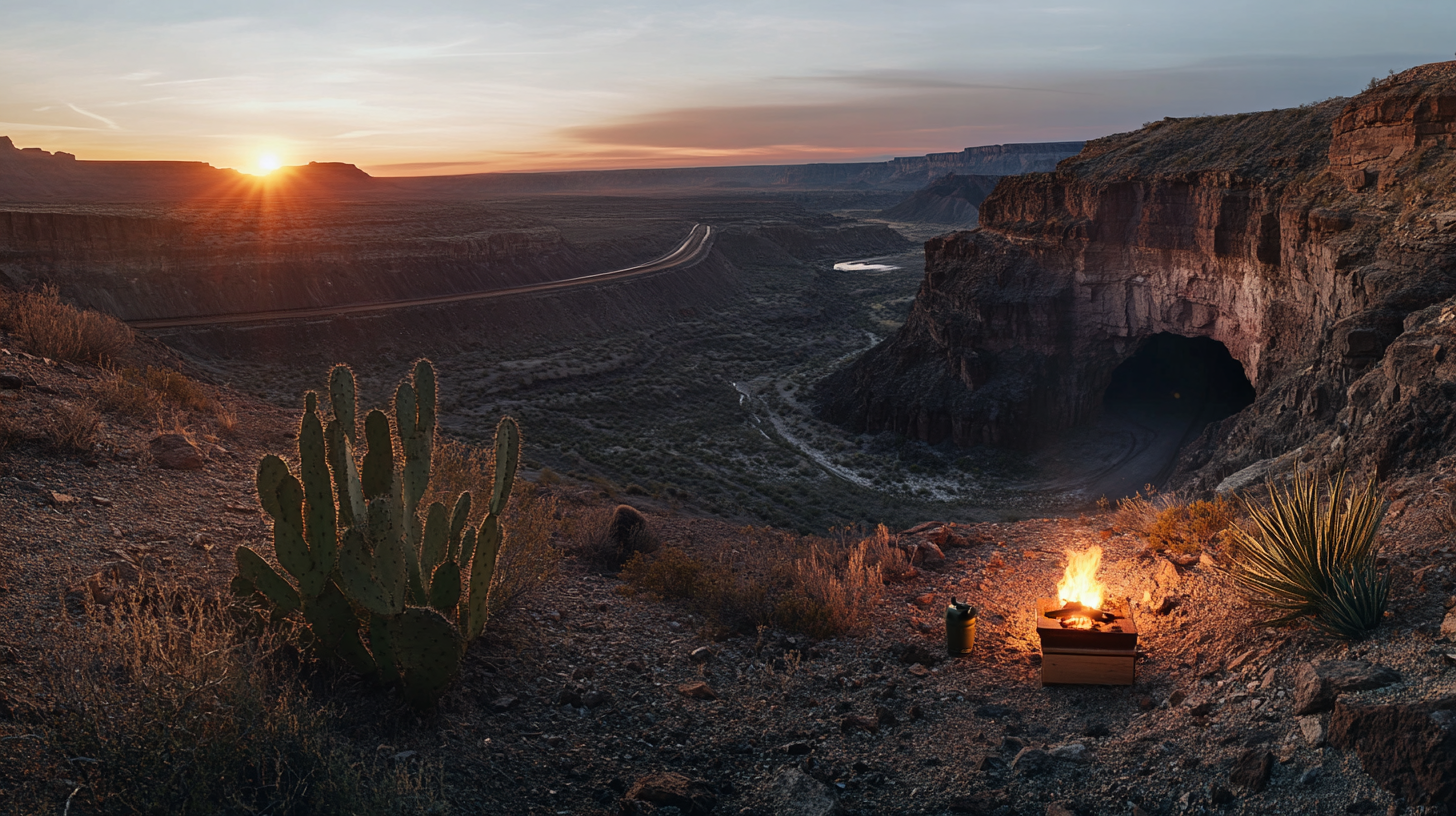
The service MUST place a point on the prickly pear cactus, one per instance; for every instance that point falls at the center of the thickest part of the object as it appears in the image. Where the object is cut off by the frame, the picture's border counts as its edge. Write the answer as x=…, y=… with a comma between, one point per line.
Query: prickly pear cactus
x=389, y=593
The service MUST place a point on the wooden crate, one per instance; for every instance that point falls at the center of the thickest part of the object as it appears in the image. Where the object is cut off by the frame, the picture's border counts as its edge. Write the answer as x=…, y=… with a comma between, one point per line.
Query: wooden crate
x=1082, y=656
x=1098, y=668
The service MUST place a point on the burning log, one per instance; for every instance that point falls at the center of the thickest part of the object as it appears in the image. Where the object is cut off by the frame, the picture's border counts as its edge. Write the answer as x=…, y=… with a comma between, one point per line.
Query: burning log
x=1076, y=610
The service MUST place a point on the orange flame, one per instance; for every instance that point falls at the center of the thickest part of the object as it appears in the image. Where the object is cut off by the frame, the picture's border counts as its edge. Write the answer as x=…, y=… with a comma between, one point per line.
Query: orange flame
x=1079, y=583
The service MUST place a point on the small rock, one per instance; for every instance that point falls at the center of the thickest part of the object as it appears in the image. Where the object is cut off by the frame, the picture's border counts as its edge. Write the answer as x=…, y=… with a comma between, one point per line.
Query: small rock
x=995, y=712
x=633, y=665
x=503, y=703
x=1252, y=769
x=1201, y=709
x=202, y=541
x=798, y=748
x=914, y=713
x=1312, y=775
x=989, y=764
x=1096, y=730
x=1220, y=795
x=1205, y=561
x=929, y=555
x=674, y=626
x=587, y=672
x=1071, y=752
x=1361, y=806
x=1448, y=625
x=174, y=451
x=885, y=718
x=1060, y=809
x=702, y=654
x=1184, y=559
x=101, y=501
x=1031, y=762
x=697, y=691
x=673, y=790
x=919, y=653
x=11, y=382
x=926, y=600
x=795, y=793
x=1316, y=685
x=1165, y=574
x=1165, y=605
x=919, y=670
x=855, y=722
x=1012, y=745
x=63, y=500
x=977, y=804
x=593, y=698
x=1312, y=726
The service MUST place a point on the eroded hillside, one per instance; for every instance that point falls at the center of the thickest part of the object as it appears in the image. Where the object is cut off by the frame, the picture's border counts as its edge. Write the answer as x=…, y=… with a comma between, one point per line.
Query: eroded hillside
x=1317, y=245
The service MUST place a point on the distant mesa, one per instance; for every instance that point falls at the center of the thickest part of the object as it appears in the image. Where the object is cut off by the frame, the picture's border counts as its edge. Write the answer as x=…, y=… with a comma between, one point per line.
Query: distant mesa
x=35, y=176
x=953, y=200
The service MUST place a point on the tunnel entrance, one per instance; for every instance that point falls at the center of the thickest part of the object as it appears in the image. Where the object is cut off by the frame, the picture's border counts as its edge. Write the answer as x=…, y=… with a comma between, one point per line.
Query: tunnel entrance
x=1192, y=378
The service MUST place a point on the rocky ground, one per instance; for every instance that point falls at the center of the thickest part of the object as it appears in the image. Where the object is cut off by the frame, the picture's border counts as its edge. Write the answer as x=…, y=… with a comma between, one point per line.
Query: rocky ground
x=589, y=700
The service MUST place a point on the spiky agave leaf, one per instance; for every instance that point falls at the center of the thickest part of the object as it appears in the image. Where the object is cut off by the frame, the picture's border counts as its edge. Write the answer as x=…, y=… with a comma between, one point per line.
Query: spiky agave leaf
x=1314, y=560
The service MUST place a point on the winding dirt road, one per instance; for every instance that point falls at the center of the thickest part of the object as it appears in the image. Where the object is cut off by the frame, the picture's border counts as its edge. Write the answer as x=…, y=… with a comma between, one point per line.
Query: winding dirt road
x=693, y=249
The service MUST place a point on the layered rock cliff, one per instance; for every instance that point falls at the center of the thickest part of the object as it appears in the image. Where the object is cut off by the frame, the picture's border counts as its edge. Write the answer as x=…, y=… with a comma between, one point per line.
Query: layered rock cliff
x=1317, y=244
x=951, y=199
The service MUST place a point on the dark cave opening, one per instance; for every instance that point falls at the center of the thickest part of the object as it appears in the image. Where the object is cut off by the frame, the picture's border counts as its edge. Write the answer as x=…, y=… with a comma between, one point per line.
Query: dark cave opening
x=1192, y=377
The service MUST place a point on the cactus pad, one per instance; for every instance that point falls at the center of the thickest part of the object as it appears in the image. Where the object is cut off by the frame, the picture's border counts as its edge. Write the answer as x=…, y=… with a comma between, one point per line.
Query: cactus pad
x=428, y=650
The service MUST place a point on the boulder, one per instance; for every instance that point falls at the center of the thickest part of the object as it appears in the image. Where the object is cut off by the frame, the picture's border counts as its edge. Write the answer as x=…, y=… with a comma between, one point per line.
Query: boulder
x=1316, y=685
x=1448, y=625
x=795, y=793
x=691, y=796
x=174, y=451
x=1252, y=769
x=1408, y=749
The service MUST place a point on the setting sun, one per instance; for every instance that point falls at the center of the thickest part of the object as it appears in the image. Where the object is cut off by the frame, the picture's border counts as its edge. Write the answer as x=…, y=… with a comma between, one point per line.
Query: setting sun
x=268, y=162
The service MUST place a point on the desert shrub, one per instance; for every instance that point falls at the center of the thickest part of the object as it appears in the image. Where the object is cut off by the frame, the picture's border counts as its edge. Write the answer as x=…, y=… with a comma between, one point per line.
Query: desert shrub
x=116, y=394
x=59, y=330
x=74, y=426
x=1315, y=559
x=1191, y=528
x=529, y=555
x=145, y=392
x=1169, y=524
x=808, y=585
x=158, y=704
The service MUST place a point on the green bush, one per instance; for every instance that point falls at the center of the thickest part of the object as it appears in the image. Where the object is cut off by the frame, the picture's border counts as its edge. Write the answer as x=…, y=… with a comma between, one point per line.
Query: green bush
x=1313, y=560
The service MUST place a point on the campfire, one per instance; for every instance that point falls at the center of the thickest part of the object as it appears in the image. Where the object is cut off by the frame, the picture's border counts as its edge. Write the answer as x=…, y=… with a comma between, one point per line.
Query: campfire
x=1086, y=637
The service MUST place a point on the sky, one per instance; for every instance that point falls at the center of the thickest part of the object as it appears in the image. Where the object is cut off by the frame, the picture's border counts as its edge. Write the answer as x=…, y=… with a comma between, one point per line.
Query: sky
x=432, y=87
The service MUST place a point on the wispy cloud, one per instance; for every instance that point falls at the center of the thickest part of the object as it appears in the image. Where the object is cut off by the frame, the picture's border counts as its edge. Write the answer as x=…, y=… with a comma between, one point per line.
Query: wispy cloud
x=98, y=117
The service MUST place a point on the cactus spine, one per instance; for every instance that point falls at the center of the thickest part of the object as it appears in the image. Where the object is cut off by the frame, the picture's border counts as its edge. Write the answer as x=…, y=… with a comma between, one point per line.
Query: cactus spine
x=388, y=593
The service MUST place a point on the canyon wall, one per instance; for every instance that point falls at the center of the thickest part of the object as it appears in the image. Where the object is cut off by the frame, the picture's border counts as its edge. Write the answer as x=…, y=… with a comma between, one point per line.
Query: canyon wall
x=1318, y=244
x=244, y=258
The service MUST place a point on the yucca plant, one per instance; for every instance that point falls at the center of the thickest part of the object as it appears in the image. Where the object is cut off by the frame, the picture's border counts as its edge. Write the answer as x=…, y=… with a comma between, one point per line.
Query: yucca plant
x=1314, y=560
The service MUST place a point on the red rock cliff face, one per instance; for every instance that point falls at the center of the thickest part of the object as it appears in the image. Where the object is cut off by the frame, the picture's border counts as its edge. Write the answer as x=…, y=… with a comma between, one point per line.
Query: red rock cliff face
x=1303, y=240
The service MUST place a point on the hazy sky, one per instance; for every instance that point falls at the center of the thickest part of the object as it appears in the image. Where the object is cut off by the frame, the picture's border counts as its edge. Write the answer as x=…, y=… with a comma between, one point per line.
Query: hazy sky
x=429, y=87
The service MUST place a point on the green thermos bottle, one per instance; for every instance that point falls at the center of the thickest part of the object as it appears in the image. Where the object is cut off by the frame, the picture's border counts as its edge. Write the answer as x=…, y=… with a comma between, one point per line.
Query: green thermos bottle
x=960, y=628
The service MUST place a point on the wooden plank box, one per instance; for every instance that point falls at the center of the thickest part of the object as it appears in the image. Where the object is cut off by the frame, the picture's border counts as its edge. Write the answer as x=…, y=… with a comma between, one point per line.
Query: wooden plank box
x=1087, y=656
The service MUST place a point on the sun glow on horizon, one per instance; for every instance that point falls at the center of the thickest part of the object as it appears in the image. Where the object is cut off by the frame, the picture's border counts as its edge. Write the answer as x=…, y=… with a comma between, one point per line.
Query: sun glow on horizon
x=267, y=163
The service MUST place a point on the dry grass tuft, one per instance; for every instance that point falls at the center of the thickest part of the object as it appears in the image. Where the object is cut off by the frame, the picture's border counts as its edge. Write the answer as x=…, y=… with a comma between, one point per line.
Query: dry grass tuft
x=816, y=586
x=529, y=556
x=74, y=426
x=60, y=331
x=1168, y=524
x=146, y=392
x=159, y=704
